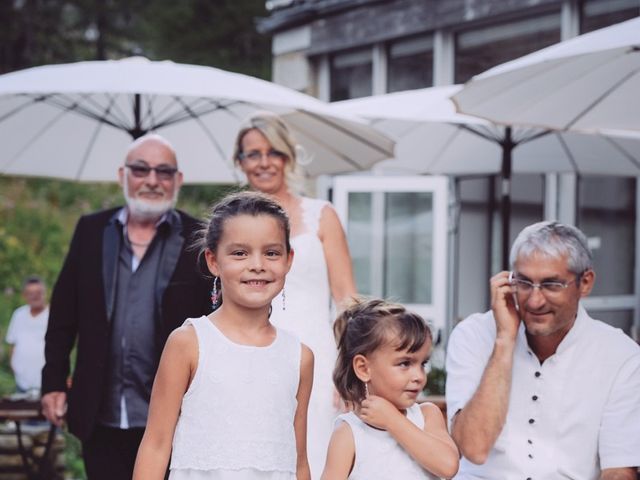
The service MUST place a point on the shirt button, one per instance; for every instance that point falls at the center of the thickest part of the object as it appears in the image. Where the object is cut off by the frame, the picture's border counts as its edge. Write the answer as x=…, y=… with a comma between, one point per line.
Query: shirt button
x=529, y=478
x=531, y=420
x=537, y=374
x=534, y=398
x=529, y=442
x=530, y=456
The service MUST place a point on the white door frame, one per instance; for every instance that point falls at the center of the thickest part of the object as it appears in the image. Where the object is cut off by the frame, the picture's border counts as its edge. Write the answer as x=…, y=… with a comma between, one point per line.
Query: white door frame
x=438, y=185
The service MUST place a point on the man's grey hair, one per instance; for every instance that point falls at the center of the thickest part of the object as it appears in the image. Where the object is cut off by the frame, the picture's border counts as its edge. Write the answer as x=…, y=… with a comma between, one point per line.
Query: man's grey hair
x=554, y=240
x=155, y=137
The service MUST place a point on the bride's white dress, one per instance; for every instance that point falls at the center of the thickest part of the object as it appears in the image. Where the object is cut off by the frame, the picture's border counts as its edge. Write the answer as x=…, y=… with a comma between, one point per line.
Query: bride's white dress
x=307, y=313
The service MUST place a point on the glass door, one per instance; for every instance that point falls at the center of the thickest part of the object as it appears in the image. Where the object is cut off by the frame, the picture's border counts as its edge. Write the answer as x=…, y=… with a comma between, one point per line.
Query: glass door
x=397, y=233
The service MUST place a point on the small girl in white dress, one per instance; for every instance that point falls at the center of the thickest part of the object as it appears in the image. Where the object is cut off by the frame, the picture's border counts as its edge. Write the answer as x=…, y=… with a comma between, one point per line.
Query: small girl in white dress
x=380, y=371
x=230, y=397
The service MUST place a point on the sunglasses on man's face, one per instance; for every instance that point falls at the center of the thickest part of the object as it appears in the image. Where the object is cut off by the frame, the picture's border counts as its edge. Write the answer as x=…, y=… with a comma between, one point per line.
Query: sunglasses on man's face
x=163, y=172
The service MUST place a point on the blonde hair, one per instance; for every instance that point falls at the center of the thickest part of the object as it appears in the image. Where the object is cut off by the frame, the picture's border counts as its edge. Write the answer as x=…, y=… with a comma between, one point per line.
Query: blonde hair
x=274, y=130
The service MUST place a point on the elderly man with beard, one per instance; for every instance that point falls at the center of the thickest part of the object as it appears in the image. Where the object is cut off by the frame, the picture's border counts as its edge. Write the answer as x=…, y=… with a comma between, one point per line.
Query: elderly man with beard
x=128, y=280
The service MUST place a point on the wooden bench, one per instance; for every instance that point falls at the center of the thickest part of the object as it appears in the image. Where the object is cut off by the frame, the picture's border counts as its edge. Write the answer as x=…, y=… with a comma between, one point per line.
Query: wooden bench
x=28, y=452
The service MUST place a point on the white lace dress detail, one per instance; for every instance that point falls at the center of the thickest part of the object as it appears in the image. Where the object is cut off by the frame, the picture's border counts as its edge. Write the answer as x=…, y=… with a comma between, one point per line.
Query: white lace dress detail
x=378, y=455
x=308, y=315
x=236, y=419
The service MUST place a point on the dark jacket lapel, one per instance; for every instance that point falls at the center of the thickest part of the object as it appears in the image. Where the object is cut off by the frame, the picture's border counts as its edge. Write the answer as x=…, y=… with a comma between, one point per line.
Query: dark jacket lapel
x=110, y=252
x=170, y=255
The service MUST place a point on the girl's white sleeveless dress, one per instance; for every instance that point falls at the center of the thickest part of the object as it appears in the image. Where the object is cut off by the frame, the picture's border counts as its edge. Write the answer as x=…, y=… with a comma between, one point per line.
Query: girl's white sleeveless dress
x=378, y=456
x=307, y=314
x=236, y=419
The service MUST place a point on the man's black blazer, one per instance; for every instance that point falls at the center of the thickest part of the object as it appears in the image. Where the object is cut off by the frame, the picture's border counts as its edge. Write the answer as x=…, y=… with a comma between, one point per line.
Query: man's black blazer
x=80, y=309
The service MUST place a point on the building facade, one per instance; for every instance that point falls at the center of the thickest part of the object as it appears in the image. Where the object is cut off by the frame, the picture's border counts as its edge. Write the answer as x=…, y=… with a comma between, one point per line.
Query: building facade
x=342, y=49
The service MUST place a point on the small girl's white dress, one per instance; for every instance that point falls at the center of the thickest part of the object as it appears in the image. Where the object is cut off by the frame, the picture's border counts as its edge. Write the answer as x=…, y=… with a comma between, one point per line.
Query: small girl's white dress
x=236, y=420
x=378, y=456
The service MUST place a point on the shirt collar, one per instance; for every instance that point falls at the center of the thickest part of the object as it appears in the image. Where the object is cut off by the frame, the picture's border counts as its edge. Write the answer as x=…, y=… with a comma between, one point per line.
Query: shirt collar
x=572, y=335
x=168, y=222
x=122, y=216
x=569, y=339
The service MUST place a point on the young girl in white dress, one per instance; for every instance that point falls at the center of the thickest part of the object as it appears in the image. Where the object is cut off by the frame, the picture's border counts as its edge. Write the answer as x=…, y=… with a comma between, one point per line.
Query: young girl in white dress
x=230, y=397
x=380, y=371
x=267, y=153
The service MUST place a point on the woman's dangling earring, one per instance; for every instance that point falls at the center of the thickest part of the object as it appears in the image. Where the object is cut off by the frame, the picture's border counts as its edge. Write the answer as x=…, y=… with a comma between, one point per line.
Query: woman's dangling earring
x=366, y=389
x=214, y=294
x=283, y=300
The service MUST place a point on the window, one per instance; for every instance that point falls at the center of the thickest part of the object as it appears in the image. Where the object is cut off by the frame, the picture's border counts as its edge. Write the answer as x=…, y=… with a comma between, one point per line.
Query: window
x=351, y=74
x=597, y=14
x=482, y=48
x=396, y=229
x=397, y=233
x=410, y=64
x=607, y=215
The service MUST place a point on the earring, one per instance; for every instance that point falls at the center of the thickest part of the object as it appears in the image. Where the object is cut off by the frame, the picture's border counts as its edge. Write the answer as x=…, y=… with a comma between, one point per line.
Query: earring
x=283, y=300
x=214, y=294
x=366, y=389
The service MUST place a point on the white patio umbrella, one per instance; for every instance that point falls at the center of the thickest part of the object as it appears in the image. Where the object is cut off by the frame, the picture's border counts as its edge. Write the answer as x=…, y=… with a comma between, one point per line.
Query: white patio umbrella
x=587, y=83
x=75, y=120
x=432, y=138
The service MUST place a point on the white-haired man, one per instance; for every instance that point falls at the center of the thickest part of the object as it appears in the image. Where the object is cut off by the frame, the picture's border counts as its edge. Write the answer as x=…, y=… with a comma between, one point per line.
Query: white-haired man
x=536, y=389
x=128, y=280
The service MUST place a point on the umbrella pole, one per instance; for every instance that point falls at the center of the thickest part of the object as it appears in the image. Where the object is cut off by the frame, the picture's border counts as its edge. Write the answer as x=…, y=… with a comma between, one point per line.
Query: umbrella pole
x=137, y=131
x=505, y=202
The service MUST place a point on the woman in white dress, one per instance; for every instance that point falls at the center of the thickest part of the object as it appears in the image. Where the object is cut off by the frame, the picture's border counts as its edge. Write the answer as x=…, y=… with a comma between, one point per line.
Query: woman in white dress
x=266, y=153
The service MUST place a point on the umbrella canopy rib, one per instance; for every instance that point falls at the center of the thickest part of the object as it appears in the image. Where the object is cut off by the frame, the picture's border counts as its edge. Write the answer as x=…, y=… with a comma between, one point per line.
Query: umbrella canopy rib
x=444, y=147
x=329, y=147
x=602, y=97
x=88, y=150
x=76, y=106
x=346, y=131
x=624, y=153
x=44, y=129
x=209, y=135
x=17, y=109
x=567, y=151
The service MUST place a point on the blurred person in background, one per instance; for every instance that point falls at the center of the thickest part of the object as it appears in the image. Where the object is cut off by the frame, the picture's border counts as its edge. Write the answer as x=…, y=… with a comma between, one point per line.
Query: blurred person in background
x=25, y=335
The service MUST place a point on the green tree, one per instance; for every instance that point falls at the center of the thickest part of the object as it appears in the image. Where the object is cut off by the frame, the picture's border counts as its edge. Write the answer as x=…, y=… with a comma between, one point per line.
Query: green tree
x=219, y=33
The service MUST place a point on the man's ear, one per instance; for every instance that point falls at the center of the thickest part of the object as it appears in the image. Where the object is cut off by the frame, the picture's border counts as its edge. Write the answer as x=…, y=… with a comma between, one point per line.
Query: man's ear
x=179, y=179
x=212, y=263
x=361, y=368
x=121, y=176
x=587, y=281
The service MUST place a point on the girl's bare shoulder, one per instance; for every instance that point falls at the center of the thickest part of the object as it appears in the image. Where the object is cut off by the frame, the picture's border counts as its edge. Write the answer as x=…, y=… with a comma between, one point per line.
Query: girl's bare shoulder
x=183, y=337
